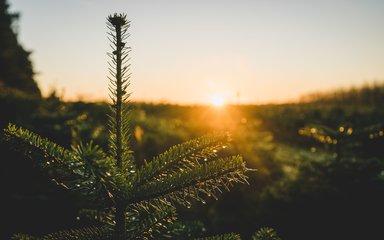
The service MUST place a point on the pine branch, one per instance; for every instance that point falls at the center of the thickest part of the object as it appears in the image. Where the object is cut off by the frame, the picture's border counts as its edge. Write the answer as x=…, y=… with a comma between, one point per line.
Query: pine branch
x=86, y=169
x=182, y=157
x=228, y=236
x=88, y=233
x=266, y=233
x=21, y=236
x=51, y=150
x=208, y=179
x=101, y=179
x=55, y=159
x=150, y=222
x=184, y=230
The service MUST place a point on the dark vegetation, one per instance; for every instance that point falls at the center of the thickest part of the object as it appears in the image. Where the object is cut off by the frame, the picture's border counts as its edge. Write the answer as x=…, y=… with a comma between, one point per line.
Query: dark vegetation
x=307, y=186
x=320, y=163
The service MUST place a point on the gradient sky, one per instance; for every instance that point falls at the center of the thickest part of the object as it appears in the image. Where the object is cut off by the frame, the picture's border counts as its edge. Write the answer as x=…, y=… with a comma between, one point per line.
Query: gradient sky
x=189, y=51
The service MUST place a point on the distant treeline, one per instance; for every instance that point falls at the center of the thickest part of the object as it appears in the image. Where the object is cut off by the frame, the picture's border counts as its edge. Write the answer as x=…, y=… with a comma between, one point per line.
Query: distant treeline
x=369, y=94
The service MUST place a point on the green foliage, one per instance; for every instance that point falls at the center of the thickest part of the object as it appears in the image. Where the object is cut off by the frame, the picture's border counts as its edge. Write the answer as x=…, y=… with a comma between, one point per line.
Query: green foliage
x=344, y=141
x=21, y=236
x=90, y=233
x=128, y=201
x=292, y=179
x=266, y=234
x=229, y=236
x=184, y=230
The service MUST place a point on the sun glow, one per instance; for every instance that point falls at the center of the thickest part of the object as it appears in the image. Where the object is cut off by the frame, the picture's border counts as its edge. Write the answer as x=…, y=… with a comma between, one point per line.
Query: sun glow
x=218, y=101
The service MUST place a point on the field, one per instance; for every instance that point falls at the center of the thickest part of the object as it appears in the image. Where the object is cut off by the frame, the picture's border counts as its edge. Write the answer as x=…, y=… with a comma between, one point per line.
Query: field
x=319, y=170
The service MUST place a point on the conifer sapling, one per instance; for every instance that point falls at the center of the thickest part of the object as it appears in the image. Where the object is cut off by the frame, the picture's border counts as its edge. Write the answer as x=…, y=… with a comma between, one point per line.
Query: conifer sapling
x=127, y=200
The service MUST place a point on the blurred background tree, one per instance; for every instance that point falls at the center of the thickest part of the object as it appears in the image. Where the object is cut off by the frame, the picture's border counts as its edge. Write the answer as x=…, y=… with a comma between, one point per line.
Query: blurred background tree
x=16, y=70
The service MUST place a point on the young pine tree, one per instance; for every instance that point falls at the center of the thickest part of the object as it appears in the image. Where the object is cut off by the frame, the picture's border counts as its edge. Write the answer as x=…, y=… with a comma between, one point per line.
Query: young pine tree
x=129, y=201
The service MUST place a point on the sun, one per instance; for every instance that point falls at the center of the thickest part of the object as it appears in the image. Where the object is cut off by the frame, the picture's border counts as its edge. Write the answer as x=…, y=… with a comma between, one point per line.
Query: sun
x=218, y=101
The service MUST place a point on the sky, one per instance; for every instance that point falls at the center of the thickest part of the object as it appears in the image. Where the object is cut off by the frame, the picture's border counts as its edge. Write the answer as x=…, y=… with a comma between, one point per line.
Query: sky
x=194, y=52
